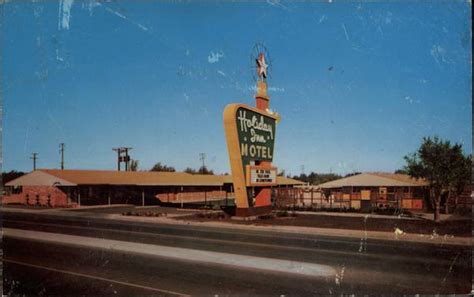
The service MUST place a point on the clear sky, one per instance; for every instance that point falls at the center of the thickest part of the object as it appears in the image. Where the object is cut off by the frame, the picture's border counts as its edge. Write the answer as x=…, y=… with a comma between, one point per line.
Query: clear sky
x=357, y=84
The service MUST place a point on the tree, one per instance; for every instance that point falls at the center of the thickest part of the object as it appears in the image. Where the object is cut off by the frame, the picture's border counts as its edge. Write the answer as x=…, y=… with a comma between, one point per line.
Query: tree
x=205, y=170
x=11, y=175
x=190, y=170
x=352, y=173
x=162, y=167
x=201, y=170
x=460, y=177
x=443, y=165
x=133, y=165
x=317, y=178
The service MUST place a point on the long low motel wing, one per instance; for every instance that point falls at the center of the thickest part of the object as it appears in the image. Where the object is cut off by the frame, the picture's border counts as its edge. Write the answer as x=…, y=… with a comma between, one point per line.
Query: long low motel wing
x=69, y=188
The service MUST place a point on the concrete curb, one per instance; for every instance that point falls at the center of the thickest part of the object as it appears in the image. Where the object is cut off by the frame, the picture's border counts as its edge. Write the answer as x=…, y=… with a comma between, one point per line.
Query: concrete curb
x=84, y=208
x=356, y=215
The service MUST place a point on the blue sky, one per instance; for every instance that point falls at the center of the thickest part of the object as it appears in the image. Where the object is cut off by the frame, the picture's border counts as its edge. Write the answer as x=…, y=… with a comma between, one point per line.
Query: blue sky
x=357, y=84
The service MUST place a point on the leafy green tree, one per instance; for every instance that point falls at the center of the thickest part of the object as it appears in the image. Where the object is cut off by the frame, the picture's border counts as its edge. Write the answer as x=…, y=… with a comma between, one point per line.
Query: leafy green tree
x=460, y=177
x=162, y=167
x=443, y=165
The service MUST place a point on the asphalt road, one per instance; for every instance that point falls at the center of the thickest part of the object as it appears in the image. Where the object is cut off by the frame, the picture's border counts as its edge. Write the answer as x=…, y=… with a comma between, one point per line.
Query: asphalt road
x=37, y=266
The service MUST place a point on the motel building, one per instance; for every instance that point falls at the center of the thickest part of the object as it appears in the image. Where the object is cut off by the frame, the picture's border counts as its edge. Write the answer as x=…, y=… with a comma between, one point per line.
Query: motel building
x=368, y=191
x=73, y=188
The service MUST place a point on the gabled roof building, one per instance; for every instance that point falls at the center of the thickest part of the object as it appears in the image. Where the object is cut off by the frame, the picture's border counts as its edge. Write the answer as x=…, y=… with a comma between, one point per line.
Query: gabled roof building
x=377, y=190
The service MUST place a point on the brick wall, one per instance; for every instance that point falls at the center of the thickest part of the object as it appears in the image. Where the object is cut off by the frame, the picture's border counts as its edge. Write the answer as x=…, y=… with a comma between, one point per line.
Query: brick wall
x=38, y=195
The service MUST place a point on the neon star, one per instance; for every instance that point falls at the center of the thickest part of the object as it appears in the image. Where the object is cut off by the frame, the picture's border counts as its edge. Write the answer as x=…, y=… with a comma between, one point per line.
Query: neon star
x=261, y=66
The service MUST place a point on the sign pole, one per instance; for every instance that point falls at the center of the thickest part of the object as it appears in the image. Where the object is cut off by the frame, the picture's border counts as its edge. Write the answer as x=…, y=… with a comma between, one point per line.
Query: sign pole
x=262, y=102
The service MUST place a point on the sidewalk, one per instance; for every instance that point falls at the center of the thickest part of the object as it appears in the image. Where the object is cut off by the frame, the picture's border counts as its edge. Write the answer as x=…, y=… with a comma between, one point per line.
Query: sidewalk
x=416, y=216
x=442, y=216
x=353, y=214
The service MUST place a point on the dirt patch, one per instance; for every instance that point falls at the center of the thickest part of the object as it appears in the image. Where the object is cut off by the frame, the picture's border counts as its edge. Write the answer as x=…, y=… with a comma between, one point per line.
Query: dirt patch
x=210, y=216
x=456, y=228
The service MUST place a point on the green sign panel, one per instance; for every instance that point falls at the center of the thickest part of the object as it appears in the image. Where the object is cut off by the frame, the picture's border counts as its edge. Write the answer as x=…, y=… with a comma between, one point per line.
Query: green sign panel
x=256, y=134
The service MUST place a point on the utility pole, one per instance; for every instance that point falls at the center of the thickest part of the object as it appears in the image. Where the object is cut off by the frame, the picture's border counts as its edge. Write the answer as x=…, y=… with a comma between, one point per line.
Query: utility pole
x=202, y=157
x=122, y=156
x=302, y=169
x=118, y=157
x=34, y=157
x=61, y=150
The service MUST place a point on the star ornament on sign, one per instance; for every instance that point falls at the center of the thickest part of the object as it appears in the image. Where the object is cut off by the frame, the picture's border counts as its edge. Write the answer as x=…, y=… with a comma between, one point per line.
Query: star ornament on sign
x=261, y=66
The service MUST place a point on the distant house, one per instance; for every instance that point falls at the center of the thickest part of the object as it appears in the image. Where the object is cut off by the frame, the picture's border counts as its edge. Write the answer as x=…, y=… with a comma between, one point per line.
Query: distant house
x=377, y=190
x=70, y=188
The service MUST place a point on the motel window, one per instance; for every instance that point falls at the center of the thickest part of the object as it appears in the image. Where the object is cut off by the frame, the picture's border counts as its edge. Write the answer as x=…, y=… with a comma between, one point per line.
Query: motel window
x=17, y=189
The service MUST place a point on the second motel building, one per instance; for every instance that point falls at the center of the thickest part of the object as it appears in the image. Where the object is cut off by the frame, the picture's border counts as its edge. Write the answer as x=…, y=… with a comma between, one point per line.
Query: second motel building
x=377, y=190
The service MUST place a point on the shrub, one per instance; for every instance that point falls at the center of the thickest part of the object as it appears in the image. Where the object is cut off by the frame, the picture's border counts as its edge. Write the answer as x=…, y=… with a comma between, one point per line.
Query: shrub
x=266, y=217
x=282, y=213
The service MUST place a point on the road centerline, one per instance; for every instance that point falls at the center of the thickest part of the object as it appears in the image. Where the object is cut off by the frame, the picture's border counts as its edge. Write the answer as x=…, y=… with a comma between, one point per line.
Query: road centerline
x=95, y=277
